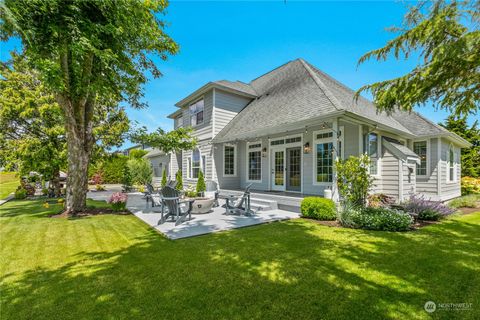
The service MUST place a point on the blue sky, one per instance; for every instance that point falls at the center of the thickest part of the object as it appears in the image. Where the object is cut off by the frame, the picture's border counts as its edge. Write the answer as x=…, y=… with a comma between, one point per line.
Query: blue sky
x=243, y=40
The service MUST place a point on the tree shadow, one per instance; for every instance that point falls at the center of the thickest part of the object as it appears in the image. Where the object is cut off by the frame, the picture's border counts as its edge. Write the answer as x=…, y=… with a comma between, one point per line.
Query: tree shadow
x=294, y=269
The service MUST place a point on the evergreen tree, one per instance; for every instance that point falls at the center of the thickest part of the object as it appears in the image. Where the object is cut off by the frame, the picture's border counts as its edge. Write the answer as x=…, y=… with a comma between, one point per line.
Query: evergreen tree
x=470, y=157
x=179, y=179
x=164, y=178
x=201, y=187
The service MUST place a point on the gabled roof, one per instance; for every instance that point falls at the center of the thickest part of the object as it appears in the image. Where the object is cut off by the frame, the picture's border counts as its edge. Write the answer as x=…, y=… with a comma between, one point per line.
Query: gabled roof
x=296, y=92
x=236, y=87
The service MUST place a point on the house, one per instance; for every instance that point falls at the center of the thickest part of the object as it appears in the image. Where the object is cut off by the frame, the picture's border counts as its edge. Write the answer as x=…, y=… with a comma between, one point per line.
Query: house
x=284, y=130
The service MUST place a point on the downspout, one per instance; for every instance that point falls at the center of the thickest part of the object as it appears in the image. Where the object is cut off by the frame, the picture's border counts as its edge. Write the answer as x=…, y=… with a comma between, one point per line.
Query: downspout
x=214, y=171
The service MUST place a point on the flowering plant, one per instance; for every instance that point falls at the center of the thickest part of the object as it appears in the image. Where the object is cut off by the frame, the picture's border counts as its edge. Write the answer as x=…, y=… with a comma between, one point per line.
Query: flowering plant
x=425, y=209
x=118, y=201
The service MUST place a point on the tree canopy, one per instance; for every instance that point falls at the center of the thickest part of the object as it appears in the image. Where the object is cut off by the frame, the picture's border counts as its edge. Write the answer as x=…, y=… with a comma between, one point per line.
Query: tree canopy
x=172, y=141
x=91, y=55
x=31, y=123
x=446, y=37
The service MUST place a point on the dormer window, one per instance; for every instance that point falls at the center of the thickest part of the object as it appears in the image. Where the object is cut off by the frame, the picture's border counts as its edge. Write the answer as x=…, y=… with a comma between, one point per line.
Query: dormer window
x=196, y=113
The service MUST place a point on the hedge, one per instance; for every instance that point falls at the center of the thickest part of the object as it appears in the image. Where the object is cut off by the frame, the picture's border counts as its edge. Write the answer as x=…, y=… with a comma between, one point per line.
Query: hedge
x=318, y=208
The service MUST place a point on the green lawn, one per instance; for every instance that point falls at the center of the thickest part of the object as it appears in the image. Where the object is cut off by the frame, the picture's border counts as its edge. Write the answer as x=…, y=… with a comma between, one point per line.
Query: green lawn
x=115, y=267
x=8, y=183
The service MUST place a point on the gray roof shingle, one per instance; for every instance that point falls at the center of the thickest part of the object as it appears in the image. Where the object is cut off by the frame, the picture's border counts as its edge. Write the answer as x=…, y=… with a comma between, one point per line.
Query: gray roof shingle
x=298, y=91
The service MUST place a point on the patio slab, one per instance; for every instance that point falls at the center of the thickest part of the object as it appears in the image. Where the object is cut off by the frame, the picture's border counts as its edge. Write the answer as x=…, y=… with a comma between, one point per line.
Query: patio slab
x=201, y=223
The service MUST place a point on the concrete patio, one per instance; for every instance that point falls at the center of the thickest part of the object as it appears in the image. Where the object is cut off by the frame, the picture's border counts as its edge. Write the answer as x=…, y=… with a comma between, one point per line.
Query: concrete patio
x=201, y=223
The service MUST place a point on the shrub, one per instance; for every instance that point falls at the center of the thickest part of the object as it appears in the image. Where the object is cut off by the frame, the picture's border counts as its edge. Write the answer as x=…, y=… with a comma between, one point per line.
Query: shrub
x=164, y=178
x=127, y=180
x=383, y=219
x=140, y=170
x=318, y=208
x=45, y=191
x=118, y=201
x=353, y=179
x=201, y=187
x=179, y=179
x=470, y=185
x=21, y=193
x=469, y=201
x=97, y=178
x=424, y=209
x=112, y=169
x=346, y=213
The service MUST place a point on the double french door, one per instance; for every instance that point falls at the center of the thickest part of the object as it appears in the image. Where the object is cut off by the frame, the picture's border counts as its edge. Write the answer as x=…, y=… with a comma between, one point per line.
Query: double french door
x=286, y=169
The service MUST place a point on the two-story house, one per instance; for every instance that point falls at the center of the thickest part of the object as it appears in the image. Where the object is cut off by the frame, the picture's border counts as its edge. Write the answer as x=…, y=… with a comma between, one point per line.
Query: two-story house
x=284, y=130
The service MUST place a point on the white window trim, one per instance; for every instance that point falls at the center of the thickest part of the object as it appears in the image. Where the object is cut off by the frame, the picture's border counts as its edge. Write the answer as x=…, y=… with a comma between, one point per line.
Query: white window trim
x=190, y=170
x=247, y=162
x=455, y=175
x=234, y=160
x=379, y=154
x=428, y=158
x=314, y=150
x=190, y=114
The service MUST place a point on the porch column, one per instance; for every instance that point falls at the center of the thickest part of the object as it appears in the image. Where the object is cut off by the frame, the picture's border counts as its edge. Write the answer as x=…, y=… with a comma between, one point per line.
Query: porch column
x=335, y=195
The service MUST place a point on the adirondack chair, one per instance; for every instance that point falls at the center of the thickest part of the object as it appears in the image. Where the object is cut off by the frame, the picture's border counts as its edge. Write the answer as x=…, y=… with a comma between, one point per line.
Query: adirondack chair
x=178, y=209
x=212, y=191
x=240, y=205
x=151, y=196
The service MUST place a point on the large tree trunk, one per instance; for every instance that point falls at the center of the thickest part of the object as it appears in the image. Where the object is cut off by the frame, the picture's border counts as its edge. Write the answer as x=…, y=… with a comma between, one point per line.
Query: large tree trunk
x=77, y=179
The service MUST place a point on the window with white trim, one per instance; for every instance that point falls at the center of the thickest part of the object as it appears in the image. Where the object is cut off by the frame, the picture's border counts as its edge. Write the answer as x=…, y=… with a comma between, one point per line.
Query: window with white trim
x=196, y=113
x=451, y=164
x=371, y=149
x=194, y=164
x=420, y=148
x=324, y=157
x=229, y=160
x=254, y=162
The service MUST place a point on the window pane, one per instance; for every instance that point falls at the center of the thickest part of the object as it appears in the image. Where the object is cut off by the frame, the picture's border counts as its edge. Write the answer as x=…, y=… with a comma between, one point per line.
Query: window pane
x=324, y=162
x=254, y=165
x=229, y=160
x=420, y=148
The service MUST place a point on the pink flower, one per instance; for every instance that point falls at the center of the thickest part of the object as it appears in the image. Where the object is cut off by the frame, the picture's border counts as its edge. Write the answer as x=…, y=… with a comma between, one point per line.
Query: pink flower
x=118, y=197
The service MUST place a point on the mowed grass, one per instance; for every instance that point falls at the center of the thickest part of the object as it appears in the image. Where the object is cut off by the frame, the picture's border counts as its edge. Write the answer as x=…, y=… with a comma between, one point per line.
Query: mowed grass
x=8, y=183
x=116, y=267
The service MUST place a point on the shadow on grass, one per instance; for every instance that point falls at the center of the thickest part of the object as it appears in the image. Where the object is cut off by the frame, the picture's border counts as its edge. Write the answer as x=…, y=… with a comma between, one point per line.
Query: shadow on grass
x=291, y=270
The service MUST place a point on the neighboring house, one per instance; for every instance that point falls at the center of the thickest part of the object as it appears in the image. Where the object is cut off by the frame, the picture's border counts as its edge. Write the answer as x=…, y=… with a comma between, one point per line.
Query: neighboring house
x=284, y=130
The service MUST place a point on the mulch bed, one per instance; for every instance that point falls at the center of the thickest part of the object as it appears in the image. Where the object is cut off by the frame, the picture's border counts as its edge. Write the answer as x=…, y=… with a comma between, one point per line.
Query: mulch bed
x=91, y=212
x=328, y=223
